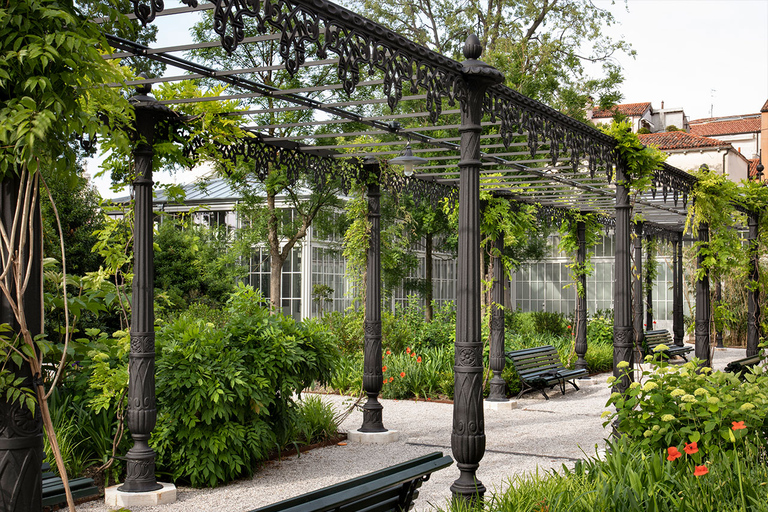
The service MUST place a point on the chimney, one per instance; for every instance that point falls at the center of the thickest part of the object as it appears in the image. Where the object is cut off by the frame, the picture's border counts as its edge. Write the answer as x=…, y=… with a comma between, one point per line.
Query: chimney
x=662, y=104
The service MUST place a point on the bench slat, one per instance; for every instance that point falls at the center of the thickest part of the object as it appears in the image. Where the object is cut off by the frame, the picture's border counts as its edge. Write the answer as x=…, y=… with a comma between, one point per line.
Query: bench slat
x=352, y=492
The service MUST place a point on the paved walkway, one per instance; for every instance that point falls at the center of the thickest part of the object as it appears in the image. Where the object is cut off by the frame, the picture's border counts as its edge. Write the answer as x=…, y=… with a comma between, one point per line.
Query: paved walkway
x=540, y=433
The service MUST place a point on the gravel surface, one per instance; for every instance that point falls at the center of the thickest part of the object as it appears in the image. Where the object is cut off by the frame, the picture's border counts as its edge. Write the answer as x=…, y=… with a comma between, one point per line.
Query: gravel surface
x=539, y=434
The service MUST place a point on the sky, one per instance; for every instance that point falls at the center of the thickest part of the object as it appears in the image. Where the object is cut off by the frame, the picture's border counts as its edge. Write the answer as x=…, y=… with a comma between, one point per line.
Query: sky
x=706, y=56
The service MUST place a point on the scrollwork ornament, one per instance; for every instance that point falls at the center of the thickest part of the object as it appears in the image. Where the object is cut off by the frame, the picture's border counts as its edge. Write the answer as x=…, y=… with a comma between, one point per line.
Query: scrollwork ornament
x=146, y=12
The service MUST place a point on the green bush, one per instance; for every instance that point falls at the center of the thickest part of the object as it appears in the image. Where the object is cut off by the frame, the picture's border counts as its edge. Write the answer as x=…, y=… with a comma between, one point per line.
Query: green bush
x=427, y=373
x=545, y=322
x=670, y=403
x=600, y=329
x=630, y=479
x=317, y=421
x=225, y=395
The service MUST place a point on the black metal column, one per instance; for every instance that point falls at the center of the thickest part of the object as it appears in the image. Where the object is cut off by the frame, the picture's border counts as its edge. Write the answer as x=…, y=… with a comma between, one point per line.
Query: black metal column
x=498, y=392
x=468, y=432
x=372, y=373
x=622, y=292
x=141, y=412
x=581, y=299
x=21, y=431
x=703, y=305
x=718, y=328
x=678, y=322
x=753, y=292
x=637, y=288
x=648, y=283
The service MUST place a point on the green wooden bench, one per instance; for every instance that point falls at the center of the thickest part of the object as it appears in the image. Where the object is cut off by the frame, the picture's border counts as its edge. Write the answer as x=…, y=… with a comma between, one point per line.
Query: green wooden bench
x=540, y=368
x=53, y=488
x=741, y=366
x=652, y=339
x=392, y=489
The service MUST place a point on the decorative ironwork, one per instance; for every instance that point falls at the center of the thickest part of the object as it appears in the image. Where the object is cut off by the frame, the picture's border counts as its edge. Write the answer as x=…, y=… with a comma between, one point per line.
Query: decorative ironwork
x=519, y=115
x=622, y=297
x=146, y=12
x=581, y=299
x=670, y=178
x=361, y=45
x=498, y=391
x=637, y=287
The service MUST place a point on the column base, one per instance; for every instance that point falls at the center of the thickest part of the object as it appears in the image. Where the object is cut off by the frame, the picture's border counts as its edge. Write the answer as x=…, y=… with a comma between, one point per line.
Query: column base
x=163, y=496
x=506, y=405
x=390, y=436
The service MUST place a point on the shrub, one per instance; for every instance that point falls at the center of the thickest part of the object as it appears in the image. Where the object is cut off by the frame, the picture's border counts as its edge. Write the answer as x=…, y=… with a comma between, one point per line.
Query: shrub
x=225, y=395
x=600, y=329
x=422, y=374
x=670, y=403
x=317, y=421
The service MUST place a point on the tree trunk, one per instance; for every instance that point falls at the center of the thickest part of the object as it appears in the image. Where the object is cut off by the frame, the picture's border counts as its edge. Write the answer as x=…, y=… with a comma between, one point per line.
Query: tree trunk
x=428, y=313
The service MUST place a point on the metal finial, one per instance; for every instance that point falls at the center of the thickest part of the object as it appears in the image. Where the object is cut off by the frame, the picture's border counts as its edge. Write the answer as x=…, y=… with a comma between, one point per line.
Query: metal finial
x=473, y=48
x=143, y=88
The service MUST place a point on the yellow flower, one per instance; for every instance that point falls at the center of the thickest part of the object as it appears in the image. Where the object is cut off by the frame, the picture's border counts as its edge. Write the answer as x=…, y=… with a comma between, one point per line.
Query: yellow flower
x=649, y=386
x=647, y=433
x=615, y=395
x=634, y=385
x=677, y=392
x=688, y=398
x=622, y=364
x=611, y=379
x=655, y=428
x=661, y=348
x=713, y=400
x=747, y=406
x=605, y=414
x=700, y=392
x=667, y=418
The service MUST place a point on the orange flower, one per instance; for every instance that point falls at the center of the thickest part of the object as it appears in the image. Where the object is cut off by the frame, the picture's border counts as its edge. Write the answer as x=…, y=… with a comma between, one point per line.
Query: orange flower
x=691, y=448
x=383, y=368
x=700, y=470
x=418, y=359
x=413, y=354
x=402, y=374
x=569, y=327
x=738, y=425
x=408, y=350
x=391, y=379
x=674, y=453
x=389, y=352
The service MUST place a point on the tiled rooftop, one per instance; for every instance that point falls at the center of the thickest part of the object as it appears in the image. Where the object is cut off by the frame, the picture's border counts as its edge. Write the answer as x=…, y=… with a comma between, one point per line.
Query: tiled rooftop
x=753, y=167
x=765, y=107
x=678, y=140
x=731, y=125
x=628, y=109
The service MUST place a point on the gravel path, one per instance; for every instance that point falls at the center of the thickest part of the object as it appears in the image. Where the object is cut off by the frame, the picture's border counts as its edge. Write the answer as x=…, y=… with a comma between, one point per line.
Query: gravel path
x=539, y=434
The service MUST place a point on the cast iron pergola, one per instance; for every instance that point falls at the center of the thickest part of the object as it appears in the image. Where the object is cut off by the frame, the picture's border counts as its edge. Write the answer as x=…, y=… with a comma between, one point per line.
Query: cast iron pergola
x=477, y=135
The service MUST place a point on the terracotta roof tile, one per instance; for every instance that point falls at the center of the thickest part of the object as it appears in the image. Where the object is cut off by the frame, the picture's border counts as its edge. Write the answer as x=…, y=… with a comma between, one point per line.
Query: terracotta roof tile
x=752, y=169
x=628, y=109
x=678, y=140
x=765, y=107
x=726, y=125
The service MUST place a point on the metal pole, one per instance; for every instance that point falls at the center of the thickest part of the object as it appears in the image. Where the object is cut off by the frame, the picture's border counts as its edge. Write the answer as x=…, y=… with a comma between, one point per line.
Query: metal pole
x=498, y=392
x=637, y=287
x=622, y=296
x=648, y=284
x=21, y=435
x=719, y=329
x=678, y=322
x=468, y=433
x=753, y=293
x=581, y=299
x=702, y=304
x=141, y=412
x=372, y=372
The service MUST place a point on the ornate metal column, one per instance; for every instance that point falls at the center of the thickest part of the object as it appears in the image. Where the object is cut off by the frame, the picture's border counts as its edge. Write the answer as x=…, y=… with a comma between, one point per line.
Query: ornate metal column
x=372, y=374
x=141, y=413
x=703, y=305
x=648, y=284
x=21, y=431
x=498, y=392
x=753, y=292
x=718, y=329
x=581, y=299
x=622, y=295
x=678, y=322
x=468, y=433
x=637, y=288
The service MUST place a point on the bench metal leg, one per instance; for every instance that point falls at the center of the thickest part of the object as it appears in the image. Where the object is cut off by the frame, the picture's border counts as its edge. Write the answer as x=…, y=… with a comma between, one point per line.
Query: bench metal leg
x=572, y=383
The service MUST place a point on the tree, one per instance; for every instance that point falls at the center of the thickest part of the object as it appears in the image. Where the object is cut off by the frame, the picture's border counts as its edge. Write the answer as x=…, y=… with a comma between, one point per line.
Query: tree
x=287, y=221
x=52, y=81
x=77, y=203
x=542, y=46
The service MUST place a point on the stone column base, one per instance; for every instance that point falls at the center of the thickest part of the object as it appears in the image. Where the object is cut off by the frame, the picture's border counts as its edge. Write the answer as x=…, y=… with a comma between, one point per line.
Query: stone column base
x=164, y=496
x=506, y=405
x=390, y=436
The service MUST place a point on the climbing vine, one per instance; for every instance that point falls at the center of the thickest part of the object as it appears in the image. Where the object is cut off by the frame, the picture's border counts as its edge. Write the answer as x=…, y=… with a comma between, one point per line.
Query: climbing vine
x=641, y=160
x=569, y=243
